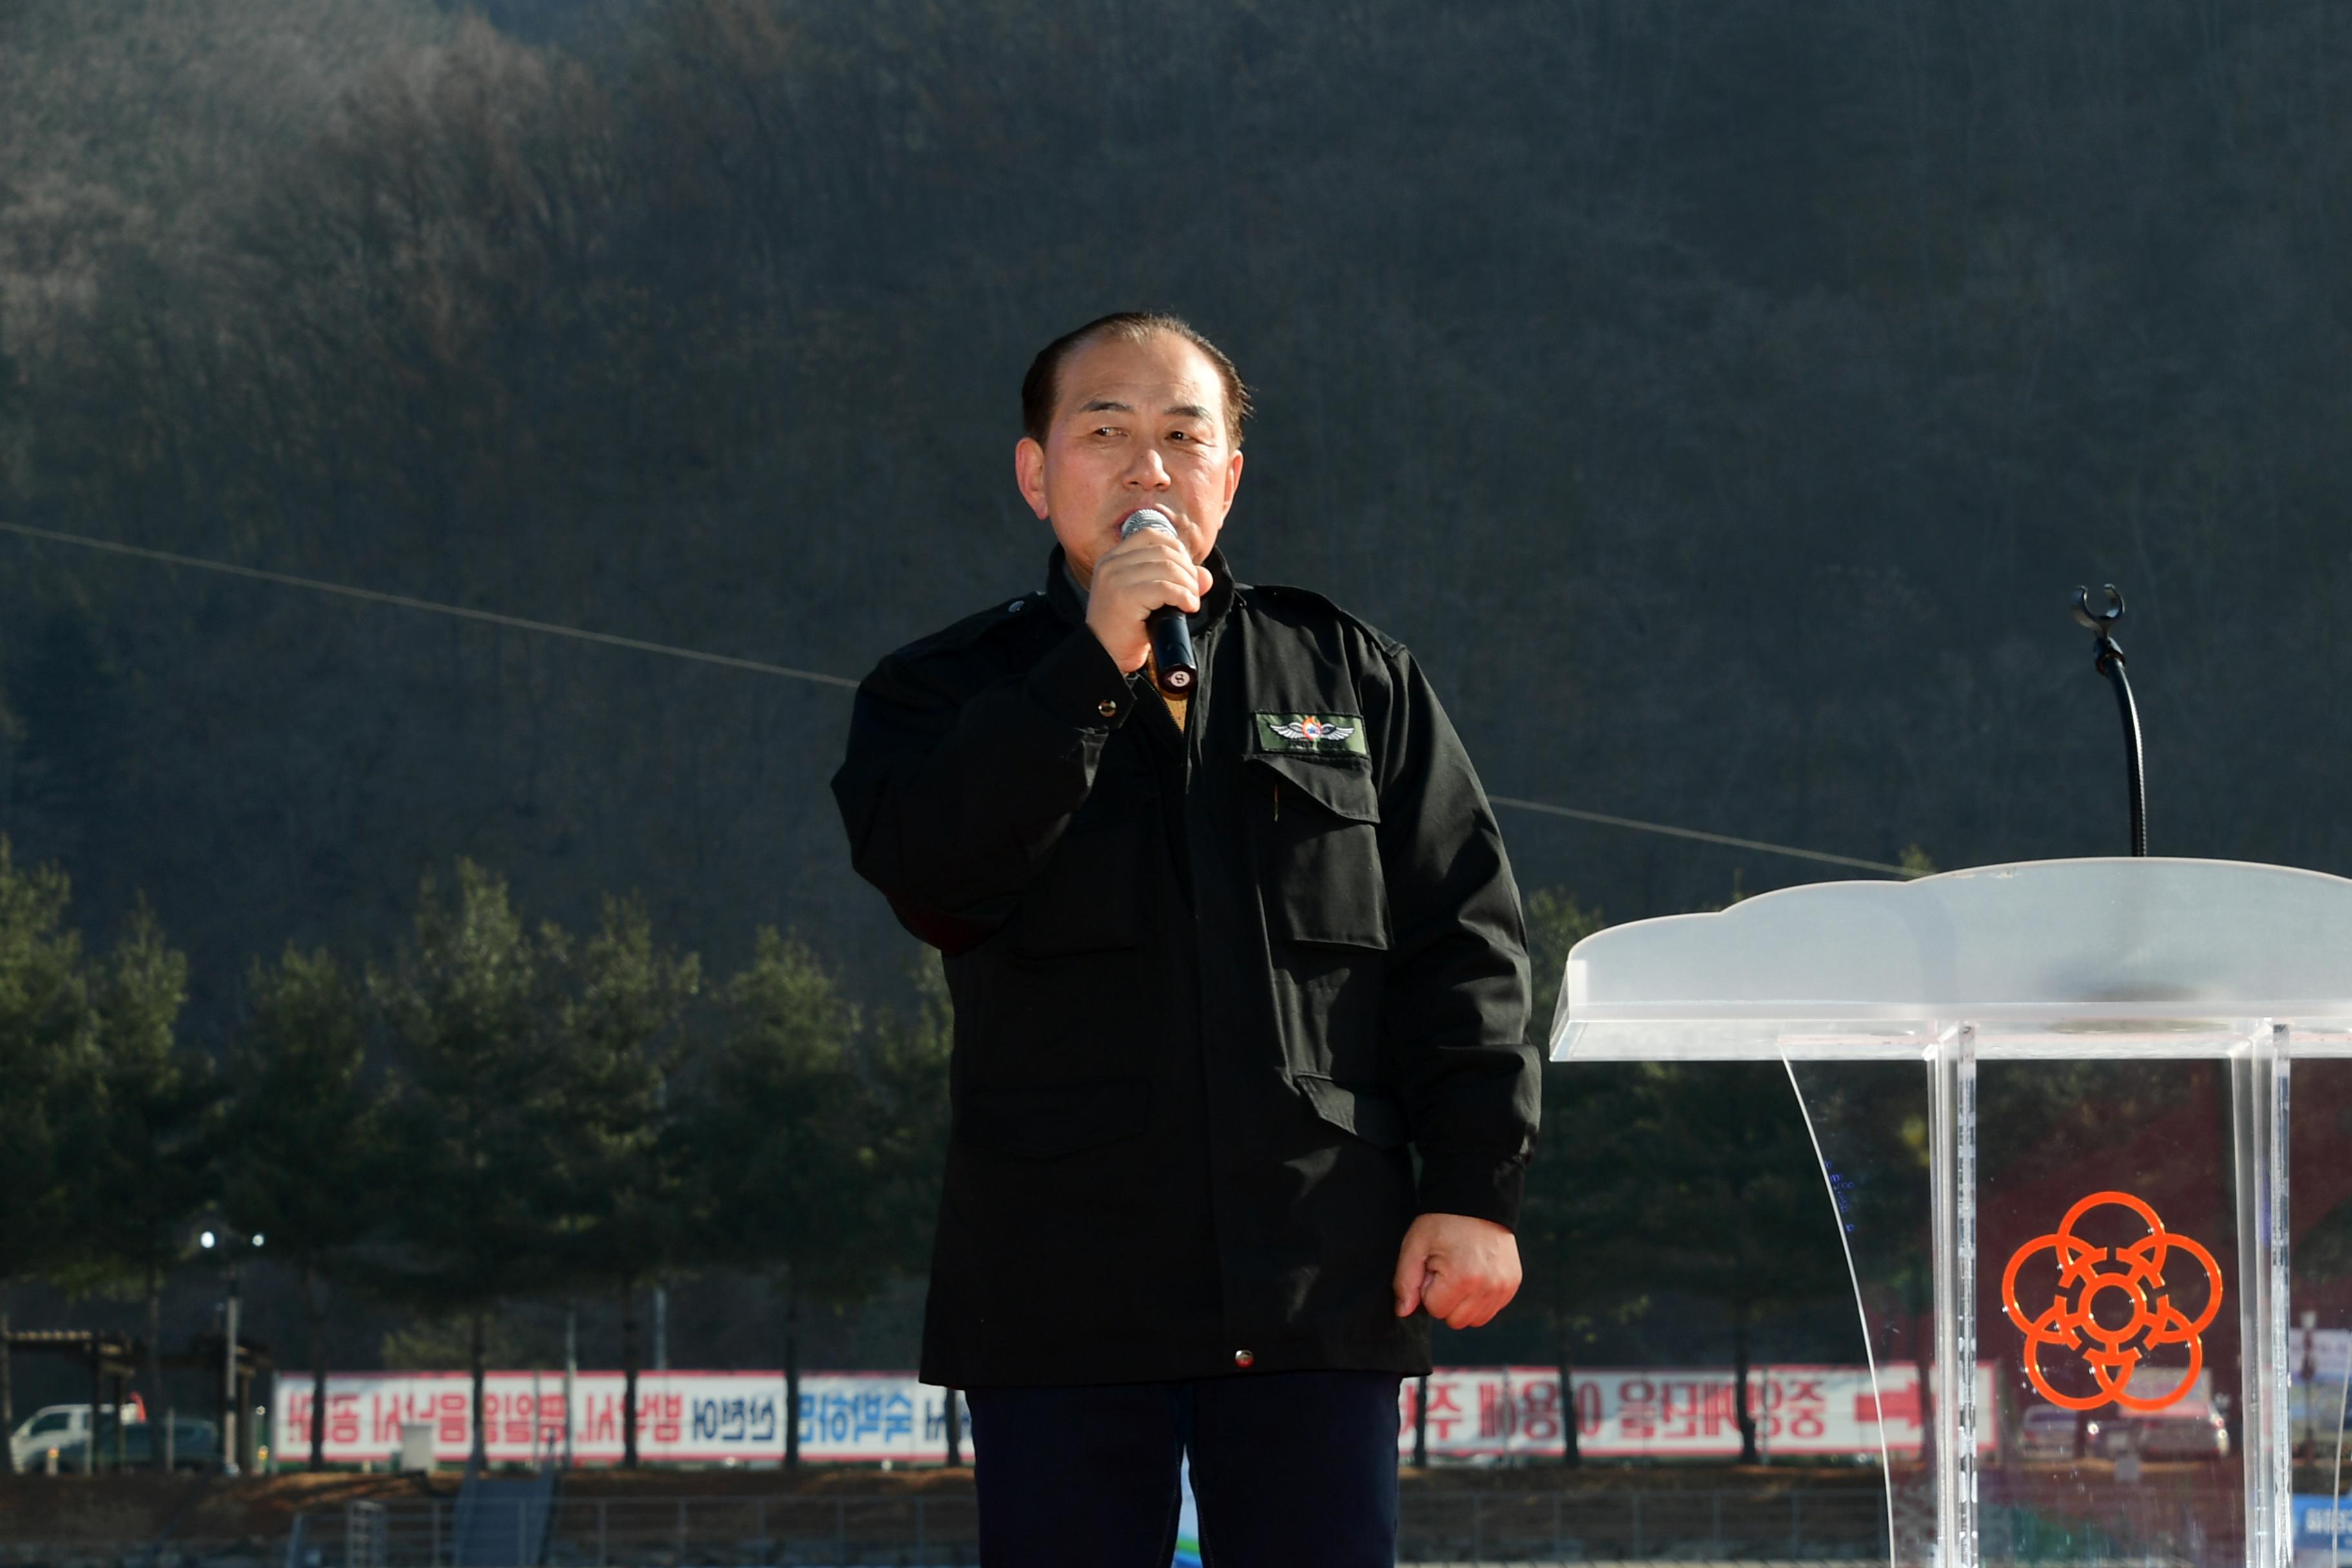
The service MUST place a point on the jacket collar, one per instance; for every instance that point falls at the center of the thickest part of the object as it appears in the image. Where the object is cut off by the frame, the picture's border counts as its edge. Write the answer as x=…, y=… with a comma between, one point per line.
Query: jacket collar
x=1069, y=600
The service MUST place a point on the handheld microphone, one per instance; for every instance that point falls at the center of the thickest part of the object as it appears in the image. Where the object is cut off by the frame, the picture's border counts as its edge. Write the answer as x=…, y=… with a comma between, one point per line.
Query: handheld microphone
x=1172, y=638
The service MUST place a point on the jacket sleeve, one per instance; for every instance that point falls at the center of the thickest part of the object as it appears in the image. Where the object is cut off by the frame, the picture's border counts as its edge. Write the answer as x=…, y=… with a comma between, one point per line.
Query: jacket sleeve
x=953, y=797
x=1457, y=978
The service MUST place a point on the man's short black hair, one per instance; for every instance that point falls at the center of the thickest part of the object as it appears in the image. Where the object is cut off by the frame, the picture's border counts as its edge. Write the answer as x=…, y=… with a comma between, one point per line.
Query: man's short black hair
x=1042, y=385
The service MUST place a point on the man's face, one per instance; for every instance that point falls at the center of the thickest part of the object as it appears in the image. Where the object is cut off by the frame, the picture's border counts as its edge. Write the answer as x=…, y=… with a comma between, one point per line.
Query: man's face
x=1135, y=424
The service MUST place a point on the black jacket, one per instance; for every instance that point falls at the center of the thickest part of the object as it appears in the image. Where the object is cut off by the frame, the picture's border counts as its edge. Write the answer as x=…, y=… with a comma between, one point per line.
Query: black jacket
x=1209, y=985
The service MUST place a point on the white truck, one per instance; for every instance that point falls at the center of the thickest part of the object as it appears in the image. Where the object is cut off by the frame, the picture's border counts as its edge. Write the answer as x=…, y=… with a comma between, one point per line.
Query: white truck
x=59, y=1427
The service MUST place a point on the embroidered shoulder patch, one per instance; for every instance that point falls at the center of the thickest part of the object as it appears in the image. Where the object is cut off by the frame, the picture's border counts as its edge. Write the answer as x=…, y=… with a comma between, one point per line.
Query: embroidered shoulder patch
x=1317, y=734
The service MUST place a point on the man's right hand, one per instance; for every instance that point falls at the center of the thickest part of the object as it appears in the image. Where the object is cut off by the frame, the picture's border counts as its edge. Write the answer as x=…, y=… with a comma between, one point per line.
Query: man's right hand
x=1134, y=578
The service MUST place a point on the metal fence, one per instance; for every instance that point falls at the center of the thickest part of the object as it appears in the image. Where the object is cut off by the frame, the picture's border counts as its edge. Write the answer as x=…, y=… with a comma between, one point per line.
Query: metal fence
x=366, y=1538
x=916, y=1532
x=1567, y=1527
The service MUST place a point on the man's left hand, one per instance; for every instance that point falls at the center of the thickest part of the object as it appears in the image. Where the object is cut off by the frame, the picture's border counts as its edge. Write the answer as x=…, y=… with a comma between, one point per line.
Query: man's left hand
x=1464, y=1271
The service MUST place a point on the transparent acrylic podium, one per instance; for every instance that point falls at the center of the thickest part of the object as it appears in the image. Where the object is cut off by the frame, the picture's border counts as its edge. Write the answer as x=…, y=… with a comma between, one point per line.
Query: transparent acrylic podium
x=2051, y=1105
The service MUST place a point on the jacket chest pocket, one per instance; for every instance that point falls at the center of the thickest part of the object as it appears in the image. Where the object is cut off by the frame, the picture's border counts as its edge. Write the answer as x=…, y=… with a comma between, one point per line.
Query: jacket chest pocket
x=1319, y=851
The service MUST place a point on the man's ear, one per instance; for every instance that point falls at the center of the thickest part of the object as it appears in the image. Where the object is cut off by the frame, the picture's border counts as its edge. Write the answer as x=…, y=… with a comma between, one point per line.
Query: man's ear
x=1029, y=473
x=1232, y=480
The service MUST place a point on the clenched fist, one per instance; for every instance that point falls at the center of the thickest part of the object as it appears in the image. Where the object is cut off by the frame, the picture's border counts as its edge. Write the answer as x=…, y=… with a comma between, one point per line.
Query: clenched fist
x=1464, y=1271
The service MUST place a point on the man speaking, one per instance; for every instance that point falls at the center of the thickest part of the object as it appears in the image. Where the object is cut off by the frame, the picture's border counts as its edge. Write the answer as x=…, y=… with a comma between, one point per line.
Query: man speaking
x=1226, y=955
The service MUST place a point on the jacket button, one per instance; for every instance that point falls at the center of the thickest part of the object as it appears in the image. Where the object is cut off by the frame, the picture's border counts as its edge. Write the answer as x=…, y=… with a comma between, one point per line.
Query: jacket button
x=1108, y=709
x=1242, y=1358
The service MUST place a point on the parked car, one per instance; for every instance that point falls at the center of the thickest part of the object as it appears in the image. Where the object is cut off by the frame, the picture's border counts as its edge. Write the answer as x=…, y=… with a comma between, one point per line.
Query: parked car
x=54, y=1426
x=2194, y=1434
x=2045, y=1432
x=196, y=1446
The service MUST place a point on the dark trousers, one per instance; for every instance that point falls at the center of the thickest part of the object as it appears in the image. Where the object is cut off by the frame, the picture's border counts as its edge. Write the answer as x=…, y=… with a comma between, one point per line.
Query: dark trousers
x=1288, y=1468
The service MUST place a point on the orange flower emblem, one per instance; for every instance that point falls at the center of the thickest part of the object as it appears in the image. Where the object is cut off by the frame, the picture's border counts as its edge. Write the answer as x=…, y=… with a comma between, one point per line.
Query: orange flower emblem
x=2113, y=1306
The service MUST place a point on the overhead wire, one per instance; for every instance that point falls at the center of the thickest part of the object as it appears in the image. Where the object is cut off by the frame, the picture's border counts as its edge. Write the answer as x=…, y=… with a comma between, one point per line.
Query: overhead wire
x=1606, y=820
x=760, y=667
x=434, y=606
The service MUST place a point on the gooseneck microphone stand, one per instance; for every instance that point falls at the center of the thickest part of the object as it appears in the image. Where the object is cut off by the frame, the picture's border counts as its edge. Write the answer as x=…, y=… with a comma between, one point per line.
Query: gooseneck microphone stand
x=2110, y=663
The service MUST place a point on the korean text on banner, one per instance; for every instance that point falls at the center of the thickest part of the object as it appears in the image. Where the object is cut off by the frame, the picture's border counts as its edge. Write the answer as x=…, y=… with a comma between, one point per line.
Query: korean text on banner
x=697, y=1417
x=862, y=1417
x=1669, y=1412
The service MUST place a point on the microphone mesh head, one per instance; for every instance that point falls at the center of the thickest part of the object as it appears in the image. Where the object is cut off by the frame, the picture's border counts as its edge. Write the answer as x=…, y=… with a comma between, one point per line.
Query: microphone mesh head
x=1144, y=517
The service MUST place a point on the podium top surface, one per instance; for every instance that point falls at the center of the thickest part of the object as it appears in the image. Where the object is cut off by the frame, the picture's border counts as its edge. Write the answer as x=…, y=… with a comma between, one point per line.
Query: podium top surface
x=2115, y=957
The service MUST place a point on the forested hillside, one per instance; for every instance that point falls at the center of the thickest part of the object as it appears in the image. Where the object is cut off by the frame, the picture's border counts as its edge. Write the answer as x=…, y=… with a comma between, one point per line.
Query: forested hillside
x=1721, y=398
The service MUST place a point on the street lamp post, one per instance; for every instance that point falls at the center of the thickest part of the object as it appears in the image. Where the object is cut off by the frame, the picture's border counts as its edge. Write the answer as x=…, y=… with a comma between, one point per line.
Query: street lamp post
x=230, y=1246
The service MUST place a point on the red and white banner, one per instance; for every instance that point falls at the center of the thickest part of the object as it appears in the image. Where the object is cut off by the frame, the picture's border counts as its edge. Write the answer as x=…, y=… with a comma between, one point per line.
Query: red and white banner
x=712, y=1417
x=1676, y=1412
x=683, y=1417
